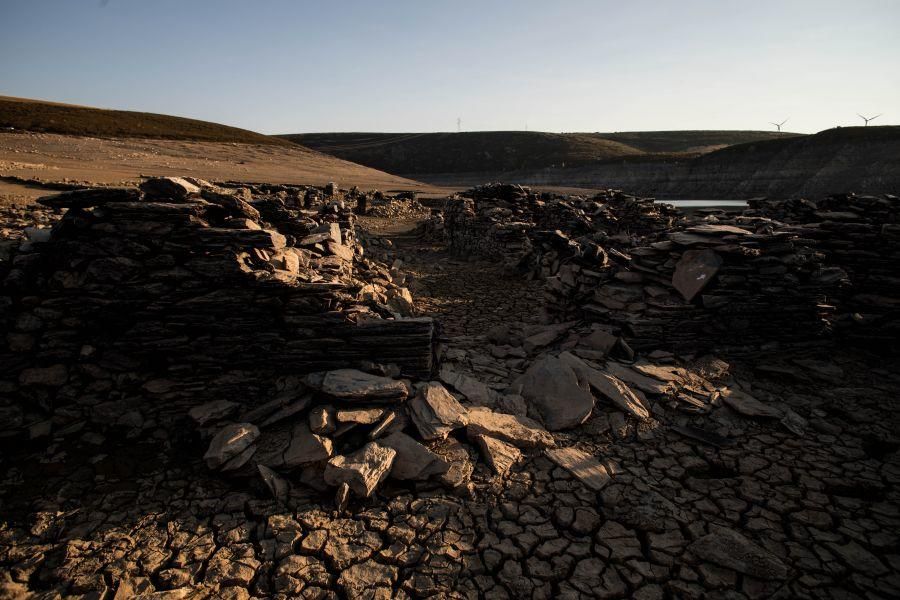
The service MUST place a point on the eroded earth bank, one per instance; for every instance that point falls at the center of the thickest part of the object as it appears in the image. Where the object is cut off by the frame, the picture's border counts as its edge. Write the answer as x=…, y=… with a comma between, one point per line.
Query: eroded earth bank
x=233, y=391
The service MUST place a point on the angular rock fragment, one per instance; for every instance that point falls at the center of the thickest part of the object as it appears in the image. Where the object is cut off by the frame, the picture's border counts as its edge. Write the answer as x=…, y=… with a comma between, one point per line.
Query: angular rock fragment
x=213, y=411
x=475, y=391
x=322, y=420
x=361, y=416
x=607, y=386
x=582, y=465
x=694, y=271
x=172, y=188
x=363, y=470
x=749, y=406
x=499, y=455
x=521, y=432
x=460, y=470
x=730, y=549
x=435, y=412
x=413, y=460
x=288, y=410
x=351, y=384
x=306, y=447
x=230, y=442
x=279, y=486
x=650, y=385
x=551, y=387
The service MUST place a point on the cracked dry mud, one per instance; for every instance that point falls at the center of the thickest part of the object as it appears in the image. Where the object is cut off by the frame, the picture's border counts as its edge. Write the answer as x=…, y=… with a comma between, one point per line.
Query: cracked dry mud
x=775, y=515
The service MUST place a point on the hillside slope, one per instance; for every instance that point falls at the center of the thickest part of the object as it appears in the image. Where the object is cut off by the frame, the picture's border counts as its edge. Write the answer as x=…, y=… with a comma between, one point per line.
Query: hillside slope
x=23, y=114
x=850, y=159
x=496, y=151
x=51, y=142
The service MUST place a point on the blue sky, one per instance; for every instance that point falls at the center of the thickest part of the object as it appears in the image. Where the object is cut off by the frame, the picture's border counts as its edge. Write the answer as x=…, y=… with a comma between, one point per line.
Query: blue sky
x=281, y=66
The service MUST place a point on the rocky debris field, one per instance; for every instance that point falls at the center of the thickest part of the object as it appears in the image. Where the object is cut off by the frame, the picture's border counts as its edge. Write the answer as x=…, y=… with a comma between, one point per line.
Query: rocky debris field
x=403, y=412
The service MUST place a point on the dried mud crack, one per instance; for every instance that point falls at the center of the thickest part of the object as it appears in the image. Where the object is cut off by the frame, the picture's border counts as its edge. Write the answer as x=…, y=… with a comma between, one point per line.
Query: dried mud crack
x=695, y=478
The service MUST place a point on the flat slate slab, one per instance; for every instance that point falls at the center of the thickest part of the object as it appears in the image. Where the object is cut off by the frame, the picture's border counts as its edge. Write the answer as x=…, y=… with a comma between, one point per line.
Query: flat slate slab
x=694, y=271
x=521, y=432
x=582, y=465
x=351, y=384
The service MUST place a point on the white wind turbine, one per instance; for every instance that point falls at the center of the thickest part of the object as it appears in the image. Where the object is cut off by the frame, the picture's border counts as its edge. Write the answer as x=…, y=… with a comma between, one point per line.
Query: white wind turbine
x=867, y=119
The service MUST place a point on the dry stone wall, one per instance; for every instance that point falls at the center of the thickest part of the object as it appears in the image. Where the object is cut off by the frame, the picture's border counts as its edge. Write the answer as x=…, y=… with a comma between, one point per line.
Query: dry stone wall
x=141, y=304
x=781, y=274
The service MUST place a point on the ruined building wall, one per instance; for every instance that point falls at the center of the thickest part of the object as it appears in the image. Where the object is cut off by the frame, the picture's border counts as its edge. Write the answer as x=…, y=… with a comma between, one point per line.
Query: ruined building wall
x=733, y=283
x=136, y=307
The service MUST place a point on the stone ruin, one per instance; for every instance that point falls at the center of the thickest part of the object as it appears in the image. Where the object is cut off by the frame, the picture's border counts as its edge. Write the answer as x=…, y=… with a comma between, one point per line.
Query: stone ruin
x=777, y=274
x=142, y=310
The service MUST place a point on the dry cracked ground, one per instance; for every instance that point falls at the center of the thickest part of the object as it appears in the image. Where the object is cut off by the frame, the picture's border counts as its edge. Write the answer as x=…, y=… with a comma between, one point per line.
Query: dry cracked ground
x=798, y=512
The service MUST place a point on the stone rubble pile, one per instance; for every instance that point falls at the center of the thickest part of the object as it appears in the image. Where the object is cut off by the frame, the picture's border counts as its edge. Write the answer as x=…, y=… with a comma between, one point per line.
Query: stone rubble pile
x=531, y=231
x=352, y=431
x=140, y=304
x=404, y=205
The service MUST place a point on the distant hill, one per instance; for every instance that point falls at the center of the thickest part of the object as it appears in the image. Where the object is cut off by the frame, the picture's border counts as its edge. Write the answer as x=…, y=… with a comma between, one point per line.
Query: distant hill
x=462, y=152
x=848, y=159
x=498, y=151
x=69, y=119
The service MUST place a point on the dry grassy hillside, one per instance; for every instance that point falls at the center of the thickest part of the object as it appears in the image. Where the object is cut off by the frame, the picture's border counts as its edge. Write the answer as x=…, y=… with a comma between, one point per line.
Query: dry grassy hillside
x=22, y=114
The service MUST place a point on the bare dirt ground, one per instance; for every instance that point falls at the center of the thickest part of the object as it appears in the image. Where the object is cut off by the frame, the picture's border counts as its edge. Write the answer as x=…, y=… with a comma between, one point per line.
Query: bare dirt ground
x=58, y=158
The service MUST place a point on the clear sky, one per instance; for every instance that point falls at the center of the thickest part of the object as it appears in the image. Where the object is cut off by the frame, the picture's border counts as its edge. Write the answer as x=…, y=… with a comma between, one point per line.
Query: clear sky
x=285, y=66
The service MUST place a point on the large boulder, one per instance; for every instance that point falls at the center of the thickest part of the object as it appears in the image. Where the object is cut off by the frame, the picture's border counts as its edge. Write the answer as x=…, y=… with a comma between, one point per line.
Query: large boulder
x=552, y=389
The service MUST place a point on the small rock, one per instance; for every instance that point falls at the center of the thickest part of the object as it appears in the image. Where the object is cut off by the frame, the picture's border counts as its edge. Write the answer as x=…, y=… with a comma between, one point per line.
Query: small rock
x=582, y=465
x=363, y=470
x=521, y=432
x=213, y=411
x=230, y=442
x=499, y=455
x=413, y=460
x=435, y=412
x=306, y=447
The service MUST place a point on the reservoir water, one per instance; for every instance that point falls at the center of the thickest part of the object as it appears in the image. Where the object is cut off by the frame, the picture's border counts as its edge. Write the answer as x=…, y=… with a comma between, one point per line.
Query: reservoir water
x=705, y=203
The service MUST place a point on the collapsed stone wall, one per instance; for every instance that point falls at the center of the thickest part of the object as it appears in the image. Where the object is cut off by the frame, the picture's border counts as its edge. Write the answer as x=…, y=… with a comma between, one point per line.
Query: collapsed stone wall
x=710, y=281
x=515, y=224
x=141, y=304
